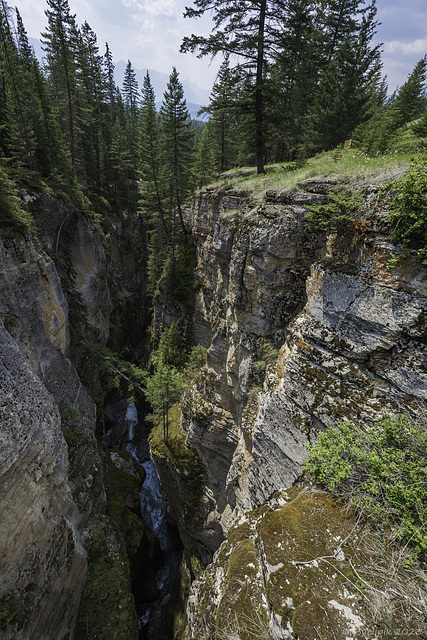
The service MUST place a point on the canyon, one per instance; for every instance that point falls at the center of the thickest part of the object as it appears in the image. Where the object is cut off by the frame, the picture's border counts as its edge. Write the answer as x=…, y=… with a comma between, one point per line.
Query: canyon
x=302, y=330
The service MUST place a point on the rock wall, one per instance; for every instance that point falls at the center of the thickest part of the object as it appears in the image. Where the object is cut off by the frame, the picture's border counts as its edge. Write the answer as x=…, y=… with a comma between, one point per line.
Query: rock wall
x=51, y=468
x=302, y=331
x=43, y=507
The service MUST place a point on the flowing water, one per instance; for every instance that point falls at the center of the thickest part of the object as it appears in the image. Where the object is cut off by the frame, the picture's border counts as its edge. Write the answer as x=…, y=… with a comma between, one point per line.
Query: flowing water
x=154, y=514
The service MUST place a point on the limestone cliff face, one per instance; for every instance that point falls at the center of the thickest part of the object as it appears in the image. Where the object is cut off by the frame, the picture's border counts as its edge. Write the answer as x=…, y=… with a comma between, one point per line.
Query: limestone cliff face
x=102, y=262
x=43, y=508
x=51, y=470
x=350, y=340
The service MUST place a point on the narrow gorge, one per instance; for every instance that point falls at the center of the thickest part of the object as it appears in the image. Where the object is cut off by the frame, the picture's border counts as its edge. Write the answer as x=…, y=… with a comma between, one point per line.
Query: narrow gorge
x=302, y=330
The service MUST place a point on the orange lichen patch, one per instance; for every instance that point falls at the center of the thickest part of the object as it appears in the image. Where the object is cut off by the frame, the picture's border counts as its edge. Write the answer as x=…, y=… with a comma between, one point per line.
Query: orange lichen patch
x=314, y=284
x=54, y=319
x=330, y=244
x=363, y=225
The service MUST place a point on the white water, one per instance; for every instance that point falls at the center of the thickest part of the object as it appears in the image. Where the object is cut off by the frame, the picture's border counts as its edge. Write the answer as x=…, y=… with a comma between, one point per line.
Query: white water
x=153, y=513
x=153, y=504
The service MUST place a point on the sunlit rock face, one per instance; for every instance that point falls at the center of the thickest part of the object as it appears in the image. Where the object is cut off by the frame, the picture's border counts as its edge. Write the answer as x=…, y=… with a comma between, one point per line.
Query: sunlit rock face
x=285, y=571
x=303, y=330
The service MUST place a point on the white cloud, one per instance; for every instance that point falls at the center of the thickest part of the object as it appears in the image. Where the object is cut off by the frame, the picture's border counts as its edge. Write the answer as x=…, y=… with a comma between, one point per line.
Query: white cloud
x=132, y=4
x=160, y=7
x=418, y=47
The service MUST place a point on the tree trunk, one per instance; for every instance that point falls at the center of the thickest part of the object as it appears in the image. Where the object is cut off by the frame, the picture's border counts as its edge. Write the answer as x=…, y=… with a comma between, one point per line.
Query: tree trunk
x=259, y=98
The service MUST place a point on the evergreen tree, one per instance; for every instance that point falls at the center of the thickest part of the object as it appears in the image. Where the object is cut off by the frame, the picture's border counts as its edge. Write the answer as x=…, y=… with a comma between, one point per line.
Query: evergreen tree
x=131, y=104
x=92, y=95
x=25, y=50
x=60, y=43
x=205, y=163
x=249, y=31
x=19, y=135
x=109, y=70
x=51, y=160
x=349, y=68
x=130, y=90
x=151, y=192
x=223, y=110
x=149, y=153
x=294, y=78
x=410, y=100
x=177, y=152
x=388, y=116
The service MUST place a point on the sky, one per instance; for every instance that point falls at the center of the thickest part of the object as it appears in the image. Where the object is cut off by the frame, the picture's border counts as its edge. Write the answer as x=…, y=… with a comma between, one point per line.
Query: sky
x=149, y=33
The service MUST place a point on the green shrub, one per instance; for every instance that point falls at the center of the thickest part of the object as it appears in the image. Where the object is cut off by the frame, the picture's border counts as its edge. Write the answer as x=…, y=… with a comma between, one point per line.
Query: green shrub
x=71, y=414
x=408, y=208
x=10, y=605
x=381, y=471
x=14, y=220
x=337, y=216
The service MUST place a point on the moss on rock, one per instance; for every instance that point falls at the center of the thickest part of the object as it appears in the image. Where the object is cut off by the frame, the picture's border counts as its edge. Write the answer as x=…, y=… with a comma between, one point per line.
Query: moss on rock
x=107, y=611
x=284, y=562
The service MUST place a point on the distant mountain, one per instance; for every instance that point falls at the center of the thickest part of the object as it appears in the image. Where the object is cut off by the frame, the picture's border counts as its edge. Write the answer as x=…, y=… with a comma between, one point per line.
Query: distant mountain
x=194, y=95
x=37, y=48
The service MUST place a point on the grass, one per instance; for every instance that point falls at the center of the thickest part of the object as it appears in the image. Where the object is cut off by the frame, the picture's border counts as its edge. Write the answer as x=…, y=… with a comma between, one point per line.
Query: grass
x=346, y=165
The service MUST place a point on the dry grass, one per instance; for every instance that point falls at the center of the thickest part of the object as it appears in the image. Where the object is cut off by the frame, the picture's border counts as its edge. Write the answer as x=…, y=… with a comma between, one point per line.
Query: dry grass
x=395, y=584
x=349, y=166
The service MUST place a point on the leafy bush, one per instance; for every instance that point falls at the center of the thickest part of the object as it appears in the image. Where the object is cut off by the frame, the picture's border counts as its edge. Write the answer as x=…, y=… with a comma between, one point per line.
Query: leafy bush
x=381, y=471
x=337, y=216
x=408, y=208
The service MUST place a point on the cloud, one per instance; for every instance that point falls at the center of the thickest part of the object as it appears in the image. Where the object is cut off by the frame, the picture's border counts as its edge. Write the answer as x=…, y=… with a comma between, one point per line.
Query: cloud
x=133, y=4
x=417, y=47
x=160, y=7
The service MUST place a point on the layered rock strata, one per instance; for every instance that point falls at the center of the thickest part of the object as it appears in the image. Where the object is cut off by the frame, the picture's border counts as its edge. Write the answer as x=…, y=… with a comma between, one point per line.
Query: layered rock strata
x=51, y=468
x=303, y=330
x=43, y=507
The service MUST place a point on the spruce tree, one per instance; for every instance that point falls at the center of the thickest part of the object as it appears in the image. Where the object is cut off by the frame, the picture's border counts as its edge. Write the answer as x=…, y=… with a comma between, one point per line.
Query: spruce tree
x=223, y=109
x=92, y=94
x=50, y=157
x=348, y=71
x=109, y=70
x=177, y=151
x=152, y=205
x=149, y=153
x=130, y=90
x=60, y=43
x=248, y=31
x=410, y=100
x=19, y=135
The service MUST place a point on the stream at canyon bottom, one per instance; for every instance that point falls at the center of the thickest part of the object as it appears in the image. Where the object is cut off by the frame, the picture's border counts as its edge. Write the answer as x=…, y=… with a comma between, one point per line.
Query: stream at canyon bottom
x=153, y=505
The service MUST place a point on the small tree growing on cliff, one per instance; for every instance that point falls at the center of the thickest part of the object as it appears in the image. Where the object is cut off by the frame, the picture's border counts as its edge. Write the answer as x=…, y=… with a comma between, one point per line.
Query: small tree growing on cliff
x=164, y=389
